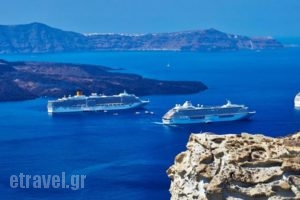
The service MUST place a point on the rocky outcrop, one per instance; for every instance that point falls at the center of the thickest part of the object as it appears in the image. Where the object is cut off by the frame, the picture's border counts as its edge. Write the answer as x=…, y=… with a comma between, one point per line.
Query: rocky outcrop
x=244, y=166
x=27, y=80
x=40, y=38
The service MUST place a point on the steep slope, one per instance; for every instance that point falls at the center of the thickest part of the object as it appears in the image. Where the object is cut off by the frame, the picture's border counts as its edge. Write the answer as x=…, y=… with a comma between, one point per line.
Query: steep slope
x=39, y=38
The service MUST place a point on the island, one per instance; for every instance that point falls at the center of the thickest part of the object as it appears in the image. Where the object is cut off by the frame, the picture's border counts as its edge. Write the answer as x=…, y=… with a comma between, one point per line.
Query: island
x=29, y=80
x=41, y=38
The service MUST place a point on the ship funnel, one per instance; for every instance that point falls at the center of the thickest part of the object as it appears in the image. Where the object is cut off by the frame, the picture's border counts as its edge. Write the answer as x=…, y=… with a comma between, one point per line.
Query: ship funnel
x=78, y=93
x=187, y=104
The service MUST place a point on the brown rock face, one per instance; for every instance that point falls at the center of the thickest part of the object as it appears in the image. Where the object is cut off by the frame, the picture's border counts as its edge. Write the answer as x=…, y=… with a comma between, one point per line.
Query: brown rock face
x=240, y=167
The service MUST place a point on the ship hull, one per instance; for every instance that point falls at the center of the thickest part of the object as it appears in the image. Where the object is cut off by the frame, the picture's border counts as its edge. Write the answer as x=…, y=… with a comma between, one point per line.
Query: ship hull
x=297, y=101
x=207, y=119
x=103, y=108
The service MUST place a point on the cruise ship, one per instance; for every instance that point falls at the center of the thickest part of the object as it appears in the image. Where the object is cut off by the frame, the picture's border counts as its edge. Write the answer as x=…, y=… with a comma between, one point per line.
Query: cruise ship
x=189, y=114
x=297, y=101
x=95, y=102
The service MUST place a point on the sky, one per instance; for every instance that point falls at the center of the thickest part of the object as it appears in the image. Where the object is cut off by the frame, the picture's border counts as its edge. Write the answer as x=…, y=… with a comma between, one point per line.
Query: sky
x=245, y=17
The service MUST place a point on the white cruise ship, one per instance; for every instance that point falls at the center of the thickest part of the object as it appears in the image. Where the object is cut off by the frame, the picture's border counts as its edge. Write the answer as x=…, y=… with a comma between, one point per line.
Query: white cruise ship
x=189, y=114
x=95, y=102
x=297, y=101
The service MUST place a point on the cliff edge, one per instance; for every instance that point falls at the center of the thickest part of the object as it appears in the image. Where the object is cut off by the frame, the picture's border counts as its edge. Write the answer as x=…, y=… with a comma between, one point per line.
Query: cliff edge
x=234, y=166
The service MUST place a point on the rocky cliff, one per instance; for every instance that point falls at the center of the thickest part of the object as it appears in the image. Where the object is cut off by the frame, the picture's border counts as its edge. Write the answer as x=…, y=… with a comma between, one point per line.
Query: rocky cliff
x=199, y=40
x=26, y=80
x=40, y=38
x=244, y=166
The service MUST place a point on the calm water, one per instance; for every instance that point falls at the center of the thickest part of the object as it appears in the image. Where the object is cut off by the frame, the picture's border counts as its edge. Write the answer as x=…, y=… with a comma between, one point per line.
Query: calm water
x=125, y=156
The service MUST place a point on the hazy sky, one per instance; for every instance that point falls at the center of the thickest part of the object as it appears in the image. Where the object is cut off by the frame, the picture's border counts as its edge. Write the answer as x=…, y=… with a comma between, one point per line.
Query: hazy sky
x=247, y=17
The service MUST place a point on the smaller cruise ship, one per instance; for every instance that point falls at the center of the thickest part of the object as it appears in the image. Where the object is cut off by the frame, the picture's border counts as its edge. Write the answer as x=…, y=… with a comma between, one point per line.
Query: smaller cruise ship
x=95, y=102
x=189, y=114
x=297, y=101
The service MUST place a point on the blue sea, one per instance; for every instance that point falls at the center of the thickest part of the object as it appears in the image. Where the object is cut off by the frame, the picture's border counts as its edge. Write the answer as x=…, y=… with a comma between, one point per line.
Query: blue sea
x=126, y=156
